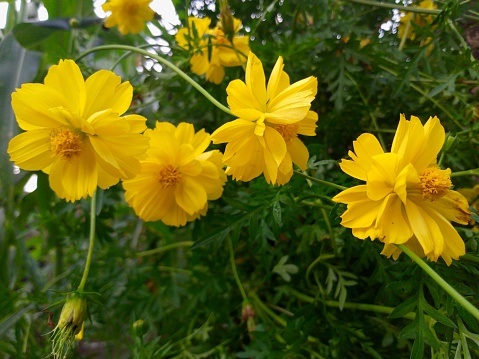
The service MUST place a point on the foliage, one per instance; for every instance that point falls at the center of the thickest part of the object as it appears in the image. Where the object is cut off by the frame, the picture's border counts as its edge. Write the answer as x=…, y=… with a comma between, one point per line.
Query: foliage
x=310, y=289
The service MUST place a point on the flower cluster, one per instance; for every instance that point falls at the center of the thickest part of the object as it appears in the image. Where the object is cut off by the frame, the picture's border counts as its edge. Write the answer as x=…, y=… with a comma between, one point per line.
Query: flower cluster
x=177, y=178
x=407, y=198
x=129, y=15
x=264, y=138
x=212, y=51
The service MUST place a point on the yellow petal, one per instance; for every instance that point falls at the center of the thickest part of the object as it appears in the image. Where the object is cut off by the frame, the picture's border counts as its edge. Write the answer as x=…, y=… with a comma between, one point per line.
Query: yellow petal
x=256, y=81
x=307, y=126
x=366, y=146
x=299, y=153
x=31, y=150
x=241, y=101
x=32, y=103
x=393, y=222
x=425, y=229
x=278, y=80
x=190, y=195
x=382, y=176
x=66, y=78
x=105, y=91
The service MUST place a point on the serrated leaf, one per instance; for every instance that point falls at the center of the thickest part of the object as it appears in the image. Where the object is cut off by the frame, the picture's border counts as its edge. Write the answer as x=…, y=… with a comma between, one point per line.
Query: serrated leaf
x=404, y=308
x=441, y=318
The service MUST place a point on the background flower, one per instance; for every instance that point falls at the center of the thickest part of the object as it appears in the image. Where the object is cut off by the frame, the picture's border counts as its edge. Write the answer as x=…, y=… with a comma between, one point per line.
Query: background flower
x=129, y=15
x=177, y=177
x=210, y=50
x=74, y=131
x=407, y=198
x=264, y=137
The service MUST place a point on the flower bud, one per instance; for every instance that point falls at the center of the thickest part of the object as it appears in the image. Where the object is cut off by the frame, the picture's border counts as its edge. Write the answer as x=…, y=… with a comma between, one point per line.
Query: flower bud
x=227, y=20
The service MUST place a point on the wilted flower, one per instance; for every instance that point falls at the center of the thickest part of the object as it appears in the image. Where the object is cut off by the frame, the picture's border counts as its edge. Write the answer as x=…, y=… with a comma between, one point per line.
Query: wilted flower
x=407, y=198
x=264, y=137
x=75, y=132
x=129, y=15
x=70, y=326
x=177, y=177
x=210, y=49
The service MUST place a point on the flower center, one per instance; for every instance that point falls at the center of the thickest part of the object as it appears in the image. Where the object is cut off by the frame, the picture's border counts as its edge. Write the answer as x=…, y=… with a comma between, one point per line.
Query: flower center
x=131, y=8
x=66, y=144
x=288, y=132
x=435, y=183
x=168, y=176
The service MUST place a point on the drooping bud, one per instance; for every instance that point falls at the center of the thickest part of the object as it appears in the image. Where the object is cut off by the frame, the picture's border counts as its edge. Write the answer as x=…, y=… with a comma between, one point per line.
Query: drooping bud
x=227, y=20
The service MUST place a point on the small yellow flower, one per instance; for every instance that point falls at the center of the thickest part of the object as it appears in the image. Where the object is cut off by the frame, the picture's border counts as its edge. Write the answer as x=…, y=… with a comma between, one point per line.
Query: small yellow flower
x=407, y=198
x=210, y=49
x=406, y=27
x=129, y=15
x=264, y=137
x=177, y=177
x=75, y=132
x=70, y=326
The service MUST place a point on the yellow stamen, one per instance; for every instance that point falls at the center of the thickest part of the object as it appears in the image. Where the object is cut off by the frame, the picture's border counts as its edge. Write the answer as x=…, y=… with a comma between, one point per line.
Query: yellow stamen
x=66, y=144
x=435, y=182
x=288, y=132
x=168, y=176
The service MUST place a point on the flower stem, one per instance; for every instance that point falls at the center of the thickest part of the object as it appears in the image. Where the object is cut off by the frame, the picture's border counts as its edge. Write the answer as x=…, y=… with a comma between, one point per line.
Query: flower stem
x=348, y=305
x=165, y=248
x=317, y=180
x=399, y=7
x=235, y=272
x=91, y=243
x=442, y=283
x=472, y=172
x=164, y=62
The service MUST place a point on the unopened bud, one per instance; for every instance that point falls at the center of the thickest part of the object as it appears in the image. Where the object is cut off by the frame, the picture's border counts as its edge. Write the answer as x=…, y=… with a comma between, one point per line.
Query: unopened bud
x=227, y=20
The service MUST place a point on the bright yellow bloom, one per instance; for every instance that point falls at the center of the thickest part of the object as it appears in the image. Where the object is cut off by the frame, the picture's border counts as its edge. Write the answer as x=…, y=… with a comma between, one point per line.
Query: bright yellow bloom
x=210, y=50
x=128, y=15
x=177, y=177
x=406, y=28
x=74, y=131
x=407, y=198
x=264, y=137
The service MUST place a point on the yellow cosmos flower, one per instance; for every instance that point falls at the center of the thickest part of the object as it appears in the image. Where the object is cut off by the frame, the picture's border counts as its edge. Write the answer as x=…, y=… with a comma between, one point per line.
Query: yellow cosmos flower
x=264, y=137
x=407, y=198
x=129, y=15
x=210, y=50
x=406, y=27
x=74, y=131
x=177, y=177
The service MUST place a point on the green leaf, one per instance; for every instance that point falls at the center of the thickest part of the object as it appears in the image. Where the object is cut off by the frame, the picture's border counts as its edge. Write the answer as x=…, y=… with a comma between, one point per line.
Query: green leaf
x=277, y=212
x=284, y=269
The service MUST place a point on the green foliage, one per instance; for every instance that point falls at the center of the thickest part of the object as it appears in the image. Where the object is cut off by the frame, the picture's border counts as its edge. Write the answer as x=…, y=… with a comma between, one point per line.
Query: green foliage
x=315, y=291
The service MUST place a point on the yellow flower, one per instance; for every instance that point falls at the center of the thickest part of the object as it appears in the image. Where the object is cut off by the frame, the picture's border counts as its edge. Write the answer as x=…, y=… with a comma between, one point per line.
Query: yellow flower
x=264, y=137
x=177, y=177
x=406, y=27
x=74, y=131
x=407, y=198
x=128, y=15
x=210, y=50
x=70, y=326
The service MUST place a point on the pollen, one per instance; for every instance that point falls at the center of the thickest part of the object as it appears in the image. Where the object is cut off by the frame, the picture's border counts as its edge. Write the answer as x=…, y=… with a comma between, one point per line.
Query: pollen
x=66, y=144
x=169, y=176
x=288, y=132
x=435, y=182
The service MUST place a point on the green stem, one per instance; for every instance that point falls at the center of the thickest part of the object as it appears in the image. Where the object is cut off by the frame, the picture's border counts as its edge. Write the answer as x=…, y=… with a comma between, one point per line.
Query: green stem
x=442, y=283
x=347, y=305
x=164, y=62
x=235, y=272
x=317, y=180
x=399, y=7
x=165, y=248
x=472, y=172
x=460, y=38
x=470, y=258
x=260, y=305
x=91, y=243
